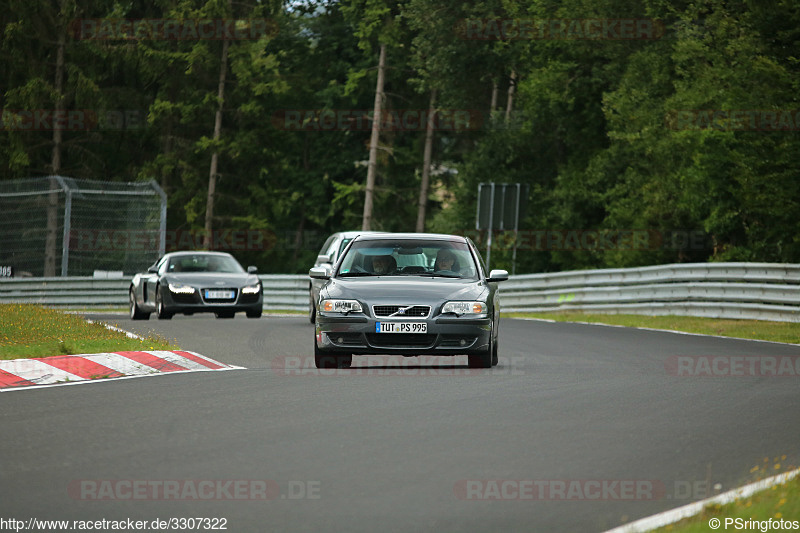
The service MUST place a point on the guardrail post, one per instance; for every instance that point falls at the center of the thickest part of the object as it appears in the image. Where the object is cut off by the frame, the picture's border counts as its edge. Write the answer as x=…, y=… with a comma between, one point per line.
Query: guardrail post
x=67, y=227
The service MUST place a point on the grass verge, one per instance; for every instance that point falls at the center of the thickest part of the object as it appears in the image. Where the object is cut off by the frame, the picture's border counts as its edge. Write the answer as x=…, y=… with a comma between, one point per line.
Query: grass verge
x=744, y=329
x=780, y=502
x=28, y=331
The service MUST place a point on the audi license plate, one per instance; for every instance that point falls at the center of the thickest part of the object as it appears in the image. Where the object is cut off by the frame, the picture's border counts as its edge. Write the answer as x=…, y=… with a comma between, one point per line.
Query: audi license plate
x=219, y=295
x=401, y=327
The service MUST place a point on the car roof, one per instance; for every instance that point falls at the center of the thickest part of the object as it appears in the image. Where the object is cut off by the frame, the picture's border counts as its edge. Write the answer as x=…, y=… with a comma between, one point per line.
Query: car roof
x=353, y=234
x=196, y=252
x=418, y=236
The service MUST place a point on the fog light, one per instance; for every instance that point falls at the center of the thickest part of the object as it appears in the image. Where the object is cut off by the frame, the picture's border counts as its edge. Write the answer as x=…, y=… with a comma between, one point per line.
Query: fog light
x=463, y=342
x=340, y=340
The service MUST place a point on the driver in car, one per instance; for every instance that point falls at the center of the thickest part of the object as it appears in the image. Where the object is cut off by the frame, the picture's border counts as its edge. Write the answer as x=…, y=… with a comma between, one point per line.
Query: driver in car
x=445, y=260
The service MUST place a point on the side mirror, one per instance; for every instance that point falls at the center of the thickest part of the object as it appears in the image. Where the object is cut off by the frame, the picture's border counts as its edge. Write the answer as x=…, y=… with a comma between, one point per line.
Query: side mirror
x=319, y=273
x=252, y=269
x=497, y=275
x=152, y=270
x=324, y=259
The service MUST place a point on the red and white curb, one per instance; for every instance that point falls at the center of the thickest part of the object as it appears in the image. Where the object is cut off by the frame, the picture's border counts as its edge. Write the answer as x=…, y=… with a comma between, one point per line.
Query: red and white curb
x=69, y=369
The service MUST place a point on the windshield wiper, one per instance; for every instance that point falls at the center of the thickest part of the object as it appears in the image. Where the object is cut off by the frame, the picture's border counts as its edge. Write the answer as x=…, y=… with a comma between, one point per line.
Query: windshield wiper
x=434, y=275
x=355, y=274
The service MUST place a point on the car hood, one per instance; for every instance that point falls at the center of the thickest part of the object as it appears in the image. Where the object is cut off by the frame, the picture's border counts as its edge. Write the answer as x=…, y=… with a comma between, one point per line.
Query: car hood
x=411, y=290
x=213, y=279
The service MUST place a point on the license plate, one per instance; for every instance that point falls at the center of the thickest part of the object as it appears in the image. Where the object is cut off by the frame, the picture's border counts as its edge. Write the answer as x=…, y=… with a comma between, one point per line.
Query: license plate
x=401, y=327
x=219, y=295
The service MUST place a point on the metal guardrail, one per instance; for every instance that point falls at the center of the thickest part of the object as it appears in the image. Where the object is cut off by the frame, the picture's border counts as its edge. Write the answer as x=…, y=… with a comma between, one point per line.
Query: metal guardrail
x=761, y=291
x=281, y=292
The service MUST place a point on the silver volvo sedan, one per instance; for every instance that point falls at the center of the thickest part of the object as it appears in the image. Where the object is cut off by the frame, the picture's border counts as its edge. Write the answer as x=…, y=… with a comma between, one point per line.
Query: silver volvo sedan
x=407, y=294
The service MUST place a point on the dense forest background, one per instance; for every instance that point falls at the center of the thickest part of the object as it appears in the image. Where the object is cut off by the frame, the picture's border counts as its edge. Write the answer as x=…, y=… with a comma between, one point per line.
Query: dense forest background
x=674, y=119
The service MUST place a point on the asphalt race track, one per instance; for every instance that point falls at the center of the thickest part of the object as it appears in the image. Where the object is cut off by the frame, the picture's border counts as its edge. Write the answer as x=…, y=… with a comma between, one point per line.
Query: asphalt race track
x=580, y=428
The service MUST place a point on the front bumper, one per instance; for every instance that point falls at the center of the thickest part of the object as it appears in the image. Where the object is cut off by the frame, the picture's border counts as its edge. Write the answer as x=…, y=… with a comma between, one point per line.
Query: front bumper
x=195, y=303
x=446, y=336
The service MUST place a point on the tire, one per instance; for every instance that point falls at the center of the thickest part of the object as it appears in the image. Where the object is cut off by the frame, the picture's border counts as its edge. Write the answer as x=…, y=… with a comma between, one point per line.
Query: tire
x=161, y=311
x=225, y=314
x=136, y=313
x=254, y=314
x=324, y=359
x=495, y=358
x=483, y=359
x=312, y=310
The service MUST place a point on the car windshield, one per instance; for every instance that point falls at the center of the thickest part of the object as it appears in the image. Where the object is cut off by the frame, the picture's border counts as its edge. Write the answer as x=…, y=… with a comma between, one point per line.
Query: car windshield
x=204, y=263
x=409, y=257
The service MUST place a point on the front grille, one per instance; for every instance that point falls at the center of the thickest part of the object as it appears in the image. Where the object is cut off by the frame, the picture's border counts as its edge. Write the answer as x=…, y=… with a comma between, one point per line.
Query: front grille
x=401, y=340
x=416, y=311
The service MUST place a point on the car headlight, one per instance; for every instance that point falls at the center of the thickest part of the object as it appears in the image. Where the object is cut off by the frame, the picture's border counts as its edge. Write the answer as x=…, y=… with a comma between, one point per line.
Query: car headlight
x=464, y=308
x=252, y=289
x=340, y=306
x=179, y=288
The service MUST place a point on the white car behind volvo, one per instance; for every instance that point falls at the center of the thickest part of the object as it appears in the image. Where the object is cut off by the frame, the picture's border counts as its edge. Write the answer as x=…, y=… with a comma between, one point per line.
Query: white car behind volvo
x=326, y=258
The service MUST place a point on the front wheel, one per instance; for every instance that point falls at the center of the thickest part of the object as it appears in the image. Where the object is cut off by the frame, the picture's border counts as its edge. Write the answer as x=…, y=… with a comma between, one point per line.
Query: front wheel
x=161, y=310
x=136, y=313
x=483, y=359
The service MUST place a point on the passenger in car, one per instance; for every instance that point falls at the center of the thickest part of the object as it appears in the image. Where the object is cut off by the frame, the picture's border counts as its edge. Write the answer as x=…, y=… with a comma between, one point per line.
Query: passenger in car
x=383, y=264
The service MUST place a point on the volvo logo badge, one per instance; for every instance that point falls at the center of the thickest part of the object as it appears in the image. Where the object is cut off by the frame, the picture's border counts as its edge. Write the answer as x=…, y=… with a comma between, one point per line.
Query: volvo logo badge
x=401, y=311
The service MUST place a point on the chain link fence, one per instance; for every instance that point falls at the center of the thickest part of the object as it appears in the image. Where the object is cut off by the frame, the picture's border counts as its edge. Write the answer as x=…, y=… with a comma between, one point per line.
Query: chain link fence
x=59, y=226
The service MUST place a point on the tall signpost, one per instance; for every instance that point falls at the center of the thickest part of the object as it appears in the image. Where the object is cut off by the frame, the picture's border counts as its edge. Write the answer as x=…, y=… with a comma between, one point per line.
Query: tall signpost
x=500, y=207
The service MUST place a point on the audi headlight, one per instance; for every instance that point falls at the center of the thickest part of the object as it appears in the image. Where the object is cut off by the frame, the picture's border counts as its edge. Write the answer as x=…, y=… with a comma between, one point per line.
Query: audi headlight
x=252, y=289
x=465, y=308
x=180, y=288
x=340, y=306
